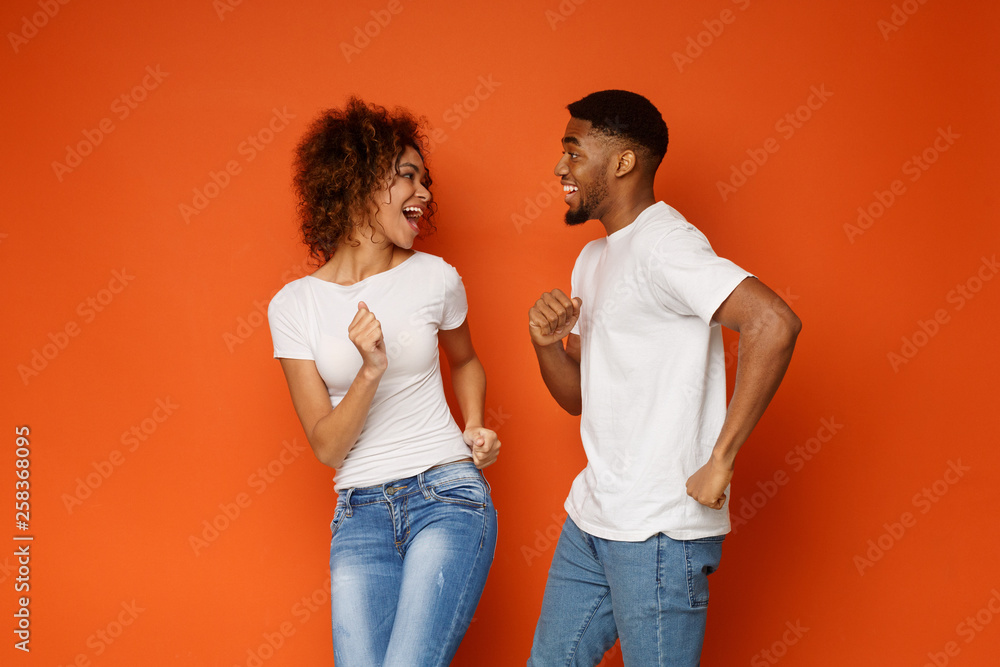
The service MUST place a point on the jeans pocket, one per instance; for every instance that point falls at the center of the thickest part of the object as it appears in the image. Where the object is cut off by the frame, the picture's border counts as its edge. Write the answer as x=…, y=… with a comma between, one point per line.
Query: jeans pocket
x=466, y=491
x=339, y=514
x=701, y=558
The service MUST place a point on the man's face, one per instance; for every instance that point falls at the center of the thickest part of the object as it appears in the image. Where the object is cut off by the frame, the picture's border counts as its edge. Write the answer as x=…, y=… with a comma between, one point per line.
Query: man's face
x=582, y=170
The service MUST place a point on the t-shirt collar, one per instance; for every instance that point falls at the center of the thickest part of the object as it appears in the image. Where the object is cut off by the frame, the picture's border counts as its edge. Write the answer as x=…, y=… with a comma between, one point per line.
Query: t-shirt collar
x=647, y=213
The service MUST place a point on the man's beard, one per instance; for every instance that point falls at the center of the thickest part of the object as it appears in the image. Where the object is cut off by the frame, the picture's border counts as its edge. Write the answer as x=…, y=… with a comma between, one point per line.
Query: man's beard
x=591, y=197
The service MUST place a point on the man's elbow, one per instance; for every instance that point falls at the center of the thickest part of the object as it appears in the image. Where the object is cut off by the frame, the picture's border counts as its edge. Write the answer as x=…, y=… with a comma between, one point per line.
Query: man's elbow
x=574, y=408
x=791, y=325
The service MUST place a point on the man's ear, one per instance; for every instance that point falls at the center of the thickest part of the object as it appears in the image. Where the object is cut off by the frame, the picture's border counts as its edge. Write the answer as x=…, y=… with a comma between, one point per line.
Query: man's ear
x=626, y=162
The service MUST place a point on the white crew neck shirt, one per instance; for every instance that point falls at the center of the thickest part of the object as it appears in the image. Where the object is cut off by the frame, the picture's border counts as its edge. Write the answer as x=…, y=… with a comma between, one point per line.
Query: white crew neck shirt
x=653, y=377
x=409, y=427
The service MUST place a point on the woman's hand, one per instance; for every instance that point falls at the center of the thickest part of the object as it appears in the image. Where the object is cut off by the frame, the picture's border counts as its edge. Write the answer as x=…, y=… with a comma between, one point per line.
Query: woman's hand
x=484, y=444
x=366, y=334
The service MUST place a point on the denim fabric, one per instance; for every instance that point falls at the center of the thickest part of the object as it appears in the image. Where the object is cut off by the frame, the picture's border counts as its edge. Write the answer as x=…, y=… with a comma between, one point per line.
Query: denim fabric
x=652, y=595
x=408, y=562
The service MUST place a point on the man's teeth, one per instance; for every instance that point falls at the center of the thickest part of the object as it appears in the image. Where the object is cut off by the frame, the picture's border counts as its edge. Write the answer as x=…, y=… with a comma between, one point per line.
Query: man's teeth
x=570, y=188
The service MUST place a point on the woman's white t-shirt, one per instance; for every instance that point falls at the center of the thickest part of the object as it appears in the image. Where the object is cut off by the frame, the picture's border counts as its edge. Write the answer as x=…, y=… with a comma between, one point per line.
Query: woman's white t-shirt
x=409, y=426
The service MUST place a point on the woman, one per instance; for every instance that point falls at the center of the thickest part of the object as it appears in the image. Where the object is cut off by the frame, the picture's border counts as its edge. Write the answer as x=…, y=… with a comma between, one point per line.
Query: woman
x=414, y=528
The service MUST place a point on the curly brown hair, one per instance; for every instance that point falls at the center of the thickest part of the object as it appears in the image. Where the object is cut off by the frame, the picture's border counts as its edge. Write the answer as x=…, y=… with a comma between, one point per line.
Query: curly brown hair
x=345, y=157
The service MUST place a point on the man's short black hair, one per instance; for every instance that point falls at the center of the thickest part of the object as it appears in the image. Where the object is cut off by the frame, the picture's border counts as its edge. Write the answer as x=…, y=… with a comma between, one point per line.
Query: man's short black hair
x=625, y=115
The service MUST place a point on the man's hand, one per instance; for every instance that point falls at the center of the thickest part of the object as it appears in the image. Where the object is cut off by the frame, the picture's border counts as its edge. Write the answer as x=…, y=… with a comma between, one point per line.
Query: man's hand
x=484, y=444
x=552, y=317
x=708, y=484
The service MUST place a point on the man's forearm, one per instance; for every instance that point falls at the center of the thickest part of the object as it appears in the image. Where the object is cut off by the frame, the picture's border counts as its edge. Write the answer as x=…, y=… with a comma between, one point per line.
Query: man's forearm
x=561, y=374
x=763, y=358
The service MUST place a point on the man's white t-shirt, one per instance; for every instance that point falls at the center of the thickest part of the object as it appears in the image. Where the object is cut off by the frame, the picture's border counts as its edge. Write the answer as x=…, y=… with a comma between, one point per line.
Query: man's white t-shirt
x=653, y=377
x=409, y=426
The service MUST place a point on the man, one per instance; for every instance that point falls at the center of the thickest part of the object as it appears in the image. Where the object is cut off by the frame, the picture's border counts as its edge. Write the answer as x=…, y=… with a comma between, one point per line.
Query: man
x=643, y=362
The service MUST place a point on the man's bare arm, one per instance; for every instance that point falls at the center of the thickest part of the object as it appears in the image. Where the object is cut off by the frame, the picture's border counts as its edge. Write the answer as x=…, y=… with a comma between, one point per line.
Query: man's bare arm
x=768, y=329
x=549, y=321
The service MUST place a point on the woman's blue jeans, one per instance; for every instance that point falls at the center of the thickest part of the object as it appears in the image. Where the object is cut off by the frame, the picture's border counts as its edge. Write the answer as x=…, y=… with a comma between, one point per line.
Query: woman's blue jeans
x=408, y=563
x=652, y=595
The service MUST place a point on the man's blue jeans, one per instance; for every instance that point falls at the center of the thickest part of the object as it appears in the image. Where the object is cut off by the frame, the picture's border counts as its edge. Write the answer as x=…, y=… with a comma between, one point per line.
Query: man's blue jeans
x=651, y=595
x=408, y=562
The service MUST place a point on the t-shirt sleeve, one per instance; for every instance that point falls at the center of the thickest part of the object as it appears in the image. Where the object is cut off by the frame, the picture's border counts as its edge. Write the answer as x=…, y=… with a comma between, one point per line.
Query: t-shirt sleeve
x=688, y=277
x=456, y=306
x=573, y=294
x=284, y=315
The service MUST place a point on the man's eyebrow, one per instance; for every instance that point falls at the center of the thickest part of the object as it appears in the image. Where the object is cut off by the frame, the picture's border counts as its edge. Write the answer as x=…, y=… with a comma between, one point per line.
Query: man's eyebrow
x=571, y=140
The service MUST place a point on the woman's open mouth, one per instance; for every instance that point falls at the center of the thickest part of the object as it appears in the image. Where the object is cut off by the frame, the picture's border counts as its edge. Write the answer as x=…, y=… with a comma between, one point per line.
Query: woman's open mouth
x=413, y=215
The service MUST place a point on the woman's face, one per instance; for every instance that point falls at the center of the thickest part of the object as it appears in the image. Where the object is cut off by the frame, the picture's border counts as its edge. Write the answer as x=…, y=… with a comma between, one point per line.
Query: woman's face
x=404, y=201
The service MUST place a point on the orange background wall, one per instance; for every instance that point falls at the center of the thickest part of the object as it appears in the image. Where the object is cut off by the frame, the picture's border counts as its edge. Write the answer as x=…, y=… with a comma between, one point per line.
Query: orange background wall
x=123, y=311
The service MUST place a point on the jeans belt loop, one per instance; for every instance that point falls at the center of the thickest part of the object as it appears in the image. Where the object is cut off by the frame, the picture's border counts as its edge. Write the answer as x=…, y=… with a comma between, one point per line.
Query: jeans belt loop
x=422, y=483
x=347, y=501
